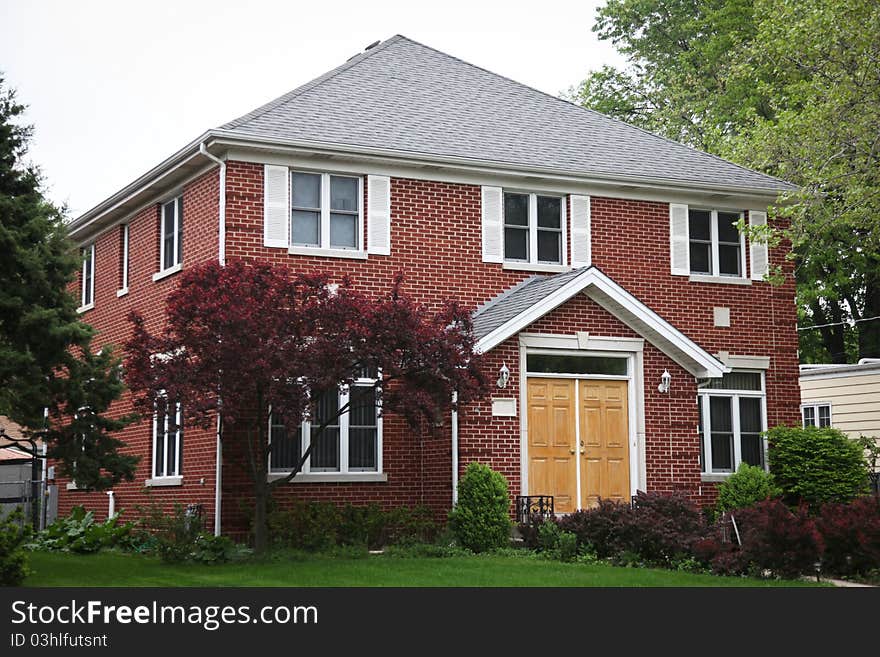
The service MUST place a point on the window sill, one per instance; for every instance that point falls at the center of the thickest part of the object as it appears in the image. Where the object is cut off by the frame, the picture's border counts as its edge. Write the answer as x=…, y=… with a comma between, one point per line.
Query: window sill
x=327, y=253
x=727, y=280
x=714, y=478
x=85, y=308
x=158, y=276
x=535, y=266
x=330, y=477
x=122, y=292
x=157, y=482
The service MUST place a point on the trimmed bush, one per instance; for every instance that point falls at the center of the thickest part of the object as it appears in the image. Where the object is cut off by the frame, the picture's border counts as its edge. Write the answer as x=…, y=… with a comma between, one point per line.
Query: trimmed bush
x=659, y=529
x=749, y=485
x=309, y=526
x=774, y=538
x=13, y=560
x=817, y=465
x=851, y=533
x=480, y=520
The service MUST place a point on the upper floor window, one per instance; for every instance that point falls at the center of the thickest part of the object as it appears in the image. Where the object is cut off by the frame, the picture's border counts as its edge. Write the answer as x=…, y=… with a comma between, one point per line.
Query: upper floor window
x=87, y=280
x=350, y=442
x=732, y=417
x=816, y=415
x=533, y=228
x=326, y=211
x=171, y=237
x=167, y=440
x=716, y=246
x=123, y=259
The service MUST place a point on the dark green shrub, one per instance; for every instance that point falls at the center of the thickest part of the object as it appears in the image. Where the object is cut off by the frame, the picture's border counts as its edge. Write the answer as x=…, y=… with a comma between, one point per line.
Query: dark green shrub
x=79, y=533
x=548, y=536
x=306, y=526
x=180, y=536
x=480, y=519
x=210, y=549
x=567, y=548
x=361, y=525
x=749, y=485
x=14, y=532
x=817, y=465
x=409, y=525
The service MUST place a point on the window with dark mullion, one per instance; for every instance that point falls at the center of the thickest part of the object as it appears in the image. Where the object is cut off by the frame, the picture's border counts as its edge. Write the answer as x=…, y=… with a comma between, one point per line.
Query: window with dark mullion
x=700, y=234
x=549, y=229
x=362, y=429
x=325, y=444
x=715, y=243
x=171, y=238
x=285, y=446
x=729, y=247
x=516, y=227
x=731, y=422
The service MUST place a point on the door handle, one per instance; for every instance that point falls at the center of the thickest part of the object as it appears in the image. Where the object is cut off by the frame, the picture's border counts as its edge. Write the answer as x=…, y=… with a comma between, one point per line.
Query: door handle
x=572, y=451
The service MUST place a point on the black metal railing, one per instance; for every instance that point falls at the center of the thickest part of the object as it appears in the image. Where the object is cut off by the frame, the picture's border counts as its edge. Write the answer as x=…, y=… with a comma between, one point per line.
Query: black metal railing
x=530, y=507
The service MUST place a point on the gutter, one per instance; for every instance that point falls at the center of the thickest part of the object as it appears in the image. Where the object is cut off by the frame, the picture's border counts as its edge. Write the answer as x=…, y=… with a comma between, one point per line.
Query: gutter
x=221, y=233
x=218, y=481
x=454, y=423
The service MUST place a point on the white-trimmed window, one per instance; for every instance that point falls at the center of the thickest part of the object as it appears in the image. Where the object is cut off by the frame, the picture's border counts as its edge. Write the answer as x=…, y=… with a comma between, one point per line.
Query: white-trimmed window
x=717, y=248
x=171, y=235
x=326, y=211
x=87, y=281
x=733, y=415
x=816, y=414
x=123, y=259
x=351, y=443
x=167, y=440
x=534, y=228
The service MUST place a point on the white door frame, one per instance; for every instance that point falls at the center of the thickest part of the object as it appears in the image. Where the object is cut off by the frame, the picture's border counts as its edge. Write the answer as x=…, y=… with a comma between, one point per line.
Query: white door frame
x=583, y=344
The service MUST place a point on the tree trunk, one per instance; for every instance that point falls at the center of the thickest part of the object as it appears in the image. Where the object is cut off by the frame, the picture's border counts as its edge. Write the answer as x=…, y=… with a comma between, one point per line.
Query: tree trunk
x=261, y=503
x=869, y=331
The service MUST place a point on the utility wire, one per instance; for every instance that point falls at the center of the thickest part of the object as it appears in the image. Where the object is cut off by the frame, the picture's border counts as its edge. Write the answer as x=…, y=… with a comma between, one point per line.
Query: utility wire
x=855, y=321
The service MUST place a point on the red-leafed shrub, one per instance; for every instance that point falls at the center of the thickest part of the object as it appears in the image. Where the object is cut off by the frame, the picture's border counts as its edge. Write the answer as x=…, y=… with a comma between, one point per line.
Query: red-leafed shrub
x=774, y=538
x=658, y=529
x=851, y=533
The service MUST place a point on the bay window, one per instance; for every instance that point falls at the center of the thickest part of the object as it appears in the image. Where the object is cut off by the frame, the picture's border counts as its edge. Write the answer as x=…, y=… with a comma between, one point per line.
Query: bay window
x=731, y=421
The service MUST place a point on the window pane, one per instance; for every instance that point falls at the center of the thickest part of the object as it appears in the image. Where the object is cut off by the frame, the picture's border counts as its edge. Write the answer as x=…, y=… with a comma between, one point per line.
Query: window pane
x=516, y=209
x=325, y=445
x=548, y=246
x=722, y=452
x=809, y=416
x=728, y=260
x=549, y=212
x=750, y=415
x=516, y=244
x=824, y=416
x=720, y=416
x=159, y=439
x=734, y=381
x=306, y=190
x=700, y=434
x=727, y=232
x=701, y=258
x=306, y=226
x=168, y=235
x=179, y=231
x=171, y=456
x=550, y=364
x=343, y=193
x=343, y=231
x=363, y=434
x=699, y=225
x=286, y=446
x=752, y=449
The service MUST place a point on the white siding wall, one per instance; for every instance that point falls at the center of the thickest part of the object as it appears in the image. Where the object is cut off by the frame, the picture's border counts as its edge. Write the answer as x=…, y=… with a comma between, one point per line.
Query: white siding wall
x=855, y=401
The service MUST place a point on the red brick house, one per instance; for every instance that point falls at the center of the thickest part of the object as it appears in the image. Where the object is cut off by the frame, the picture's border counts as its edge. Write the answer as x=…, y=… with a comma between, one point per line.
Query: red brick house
x=636, y=343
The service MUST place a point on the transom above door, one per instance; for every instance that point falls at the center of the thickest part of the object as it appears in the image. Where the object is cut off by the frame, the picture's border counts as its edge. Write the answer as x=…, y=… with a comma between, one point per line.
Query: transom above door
x=578, y=439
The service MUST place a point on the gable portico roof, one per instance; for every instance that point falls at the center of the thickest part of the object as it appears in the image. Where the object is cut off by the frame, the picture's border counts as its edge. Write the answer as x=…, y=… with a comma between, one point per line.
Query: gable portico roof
x=517, y=308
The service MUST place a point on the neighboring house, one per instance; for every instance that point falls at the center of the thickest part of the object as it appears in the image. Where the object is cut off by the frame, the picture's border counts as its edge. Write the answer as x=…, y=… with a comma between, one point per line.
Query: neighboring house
x=635, y=341
x=17, y=486
x=843, y=396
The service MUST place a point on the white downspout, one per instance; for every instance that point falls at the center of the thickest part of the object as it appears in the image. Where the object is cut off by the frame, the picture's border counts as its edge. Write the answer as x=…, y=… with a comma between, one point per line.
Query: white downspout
x=221, y=251
x=454, y=423
x=111, y=504
x=218, y=481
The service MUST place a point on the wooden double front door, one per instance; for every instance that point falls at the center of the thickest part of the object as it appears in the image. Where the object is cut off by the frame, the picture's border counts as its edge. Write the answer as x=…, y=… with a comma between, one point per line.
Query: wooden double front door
x=578, y=433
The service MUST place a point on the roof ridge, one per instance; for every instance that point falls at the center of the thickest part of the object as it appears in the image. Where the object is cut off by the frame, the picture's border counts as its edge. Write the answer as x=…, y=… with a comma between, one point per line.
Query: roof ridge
x=587, y=109
x=311, y=84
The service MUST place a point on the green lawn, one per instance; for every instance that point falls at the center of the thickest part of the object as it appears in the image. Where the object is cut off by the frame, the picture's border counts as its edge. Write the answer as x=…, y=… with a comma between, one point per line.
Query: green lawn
x=116, y=569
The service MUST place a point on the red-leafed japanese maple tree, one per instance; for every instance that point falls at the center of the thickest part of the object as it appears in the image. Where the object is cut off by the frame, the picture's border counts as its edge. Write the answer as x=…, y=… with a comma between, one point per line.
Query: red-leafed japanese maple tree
x=251, y=341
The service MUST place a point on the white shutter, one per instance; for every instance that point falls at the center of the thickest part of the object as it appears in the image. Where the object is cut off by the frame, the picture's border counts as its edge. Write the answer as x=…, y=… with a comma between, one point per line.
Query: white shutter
x=581, y=255
x=379, y=215
x=276, y=206
x=758, y=250
x=493, y=224
x=679, y=248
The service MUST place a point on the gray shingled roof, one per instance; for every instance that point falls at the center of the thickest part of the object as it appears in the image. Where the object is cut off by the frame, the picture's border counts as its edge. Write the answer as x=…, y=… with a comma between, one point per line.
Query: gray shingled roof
x=518, y=299
x=404, y=96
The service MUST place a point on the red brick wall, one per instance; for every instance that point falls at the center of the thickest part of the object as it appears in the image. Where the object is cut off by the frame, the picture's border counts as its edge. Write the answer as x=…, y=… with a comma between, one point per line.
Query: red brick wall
x=436, y=242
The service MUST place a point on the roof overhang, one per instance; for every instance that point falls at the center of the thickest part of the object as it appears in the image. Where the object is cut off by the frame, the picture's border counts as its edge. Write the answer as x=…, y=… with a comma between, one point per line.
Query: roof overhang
x=625, y=307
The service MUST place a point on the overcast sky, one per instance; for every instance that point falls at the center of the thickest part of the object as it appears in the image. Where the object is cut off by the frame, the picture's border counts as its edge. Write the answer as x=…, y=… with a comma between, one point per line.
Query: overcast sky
x=114, y=87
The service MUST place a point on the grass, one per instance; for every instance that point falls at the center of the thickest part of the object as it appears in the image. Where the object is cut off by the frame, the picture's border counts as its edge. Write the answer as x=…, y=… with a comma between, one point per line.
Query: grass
x=118, y=569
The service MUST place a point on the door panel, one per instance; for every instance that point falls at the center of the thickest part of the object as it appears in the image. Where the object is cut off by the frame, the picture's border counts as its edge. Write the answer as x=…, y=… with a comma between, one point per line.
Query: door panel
x=551, y=441
x=604, y=417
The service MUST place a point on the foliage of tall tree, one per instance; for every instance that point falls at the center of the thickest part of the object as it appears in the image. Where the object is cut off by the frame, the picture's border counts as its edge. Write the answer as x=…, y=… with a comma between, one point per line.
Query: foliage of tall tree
x=253, y=341
x=45, y=351
x=787, y=87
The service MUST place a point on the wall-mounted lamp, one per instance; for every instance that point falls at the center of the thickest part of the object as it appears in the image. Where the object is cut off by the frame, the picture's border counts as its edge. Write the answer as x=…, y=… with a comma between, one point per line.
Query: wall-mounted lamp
x=665, y=380
x=503, y=376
